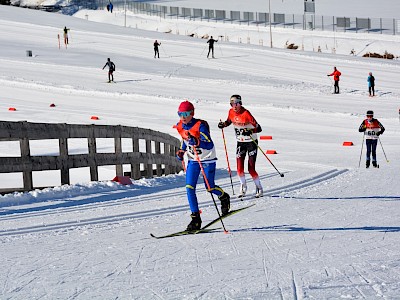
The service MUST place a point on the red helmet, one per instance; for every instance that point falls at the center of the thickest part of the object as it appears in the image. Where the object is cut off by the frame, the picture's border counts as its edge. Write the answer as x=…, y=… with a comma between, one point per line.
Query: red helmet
x=186, y=106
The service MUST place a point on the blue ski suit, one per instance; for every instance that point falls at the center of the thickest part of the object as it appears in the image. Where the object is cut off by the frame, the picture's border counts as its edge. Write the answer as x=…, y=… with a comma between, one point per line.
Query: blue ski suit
x=198, y=131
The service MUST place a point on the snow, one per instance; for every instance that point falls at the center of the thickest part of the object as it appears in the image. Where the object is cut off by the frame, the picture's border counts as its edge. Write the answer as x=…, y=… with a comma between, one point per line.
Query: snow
x=326, y=230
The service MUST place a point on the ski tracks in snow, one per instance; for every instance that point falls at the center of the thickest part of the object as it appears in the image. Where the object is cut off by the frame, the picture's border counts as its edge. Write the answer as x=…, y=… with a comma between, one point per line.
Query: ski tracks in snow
x=117, y=211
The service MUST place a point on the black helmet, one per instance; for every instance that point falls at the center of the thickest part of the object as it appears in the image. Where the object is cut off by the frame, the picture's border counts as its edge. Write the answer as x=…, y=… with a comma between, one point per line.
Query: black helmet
x=370, y=113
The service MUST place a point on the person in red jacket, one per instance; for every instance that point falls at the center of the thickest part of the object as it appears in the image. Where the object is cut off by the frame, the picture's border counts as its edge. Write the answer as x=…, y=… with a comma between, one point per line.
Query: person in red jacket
x=336, y=74
x=372, y=129
x=246, y=129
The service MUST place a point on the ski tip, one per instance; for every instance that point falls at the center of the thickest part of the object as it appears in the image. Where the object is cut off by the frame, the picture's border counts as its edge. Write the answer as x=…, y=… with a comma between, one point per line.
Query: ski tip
x=226, y=231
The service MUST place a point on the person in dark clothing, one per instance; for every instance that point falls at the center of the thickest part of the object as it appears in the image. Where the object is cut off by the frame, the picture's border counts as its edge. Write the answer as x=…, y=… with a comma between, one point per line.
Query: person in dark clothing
x=111, y=69
x=210, y=43
x=372, y=129
x=66, y=35
x=111, y=6
x=371, y=85
x=336, y=74
x=156, y=51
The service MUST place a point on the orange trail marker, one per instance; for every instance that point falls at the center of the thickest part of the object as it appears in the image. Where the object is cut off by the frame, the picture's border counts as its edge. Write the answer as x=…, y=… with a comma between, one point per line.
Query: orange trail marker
x=271, y=152
x=266, y=137
x=348, y=144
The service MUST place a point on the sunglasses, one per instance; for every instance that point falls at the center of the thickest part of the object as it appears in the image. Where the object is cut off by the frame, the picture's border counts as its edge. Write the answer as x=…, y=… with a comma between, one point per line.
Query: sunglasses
x=184, y=114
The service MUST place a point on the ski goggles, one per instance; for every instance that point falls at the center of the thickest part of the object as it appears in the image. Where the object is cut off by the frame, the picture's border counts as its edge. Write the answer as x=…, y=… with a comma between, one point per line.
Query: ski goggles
x=185, y=114
x=235, y=101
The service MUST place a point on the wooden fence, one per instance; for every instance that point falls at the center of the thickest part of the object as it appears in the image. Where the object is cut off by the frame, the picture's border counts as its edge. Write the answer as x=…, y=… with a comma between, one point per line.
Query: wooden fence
x=164, y=161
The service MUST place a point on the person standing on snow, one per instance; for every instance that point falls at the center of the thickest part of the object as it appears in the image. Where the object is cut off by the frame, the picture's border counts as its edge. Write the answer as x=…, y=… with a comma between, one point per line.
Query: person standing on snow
x=111, y=69
x=156, y=51
x=246, y=129
x=196, y=136
x=372, y=129
x=65, y=30
x=210, y=43
x=371, y=84
x=336, y=74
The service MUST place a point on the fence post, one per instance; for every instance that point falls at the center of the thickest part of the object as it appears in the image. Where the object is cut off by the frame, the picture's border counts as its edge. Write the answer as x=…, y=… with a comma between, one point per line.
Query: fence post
x=26, y=158
x=94, y=175
x=64, y=168
x=135, y=168
x=148, y=167
x=158, y=151
x=119, y=170
x=168, y=152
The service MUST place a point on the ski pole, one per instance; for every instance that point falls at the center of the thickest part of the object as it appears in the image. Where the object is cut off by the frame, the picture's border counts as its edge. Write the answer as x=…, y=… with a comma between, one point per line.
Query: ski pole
x=227, y=159
x=208, y=186
x=164, y=50
x=203, y=50
x=281, y=174
x=383, y=149
x=220, y=48
x=362, y=145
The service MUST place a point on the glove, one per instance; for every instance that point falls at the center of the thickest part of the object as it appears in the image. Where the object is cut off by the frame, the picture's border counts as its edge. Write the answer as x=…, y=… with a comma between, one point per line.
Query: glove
x=221, y=125
x=192, y=141
x=180, y=154
x=247, y=131
x=378, y=133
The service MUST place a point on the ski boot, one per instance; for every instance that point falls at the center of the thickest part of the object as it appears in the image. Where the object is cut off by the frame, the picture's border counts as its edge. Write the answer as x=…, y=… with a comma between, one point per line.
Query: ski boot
x=259, y=192
x=243, y=190
x=225, y=203
x=195, y=224
x=367, y=164
x=375, y=164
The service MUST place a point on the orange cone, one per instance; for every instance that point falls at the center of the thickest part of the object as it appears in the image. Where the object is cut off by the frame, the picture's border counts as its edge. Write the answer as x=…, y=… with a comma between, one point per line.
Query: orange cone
x=348, y=144
x=94, y=118
x=271, y=152
x=265, y=137
x=12, y=109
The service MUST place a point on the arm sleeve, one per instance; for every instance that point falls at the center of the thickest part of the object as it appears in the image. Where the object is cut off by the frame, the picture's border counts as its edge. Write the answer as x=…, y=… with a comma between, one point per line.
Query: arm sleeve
x=362, y=127
x=382, y=128
x=205, y=138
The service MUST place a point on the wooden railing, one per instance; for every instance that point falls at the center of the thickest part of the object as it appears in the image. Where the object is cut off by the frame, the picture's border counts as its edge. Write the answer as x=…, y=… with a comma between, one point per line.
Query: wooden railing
x=24, y=132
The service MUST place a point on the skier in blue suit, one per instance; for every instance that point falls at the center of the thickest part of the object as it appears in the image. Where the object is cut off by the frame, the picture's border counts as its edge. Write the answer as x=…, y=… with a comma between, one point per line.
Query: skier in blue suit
x=195, y=135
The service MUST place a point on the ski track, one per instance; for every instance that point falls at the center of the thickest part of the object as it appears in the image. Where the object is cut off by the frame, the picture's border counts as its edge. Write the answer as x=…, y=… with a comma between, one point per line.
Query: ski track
x=117, y=218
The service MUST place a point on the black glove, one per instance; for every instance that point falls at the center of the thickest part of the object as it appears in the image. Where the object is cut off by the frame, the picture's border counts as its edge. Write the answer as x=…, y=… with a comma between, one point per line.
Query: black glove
x=221, y=125
x=247, y=131
x=180, y=154
x=378, y=133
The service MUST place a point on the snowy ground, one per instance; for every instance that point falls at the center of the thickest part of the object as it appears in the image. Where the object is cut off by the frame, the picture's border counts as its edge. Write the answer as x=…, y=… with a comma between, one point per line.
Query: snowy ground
x=327, y=230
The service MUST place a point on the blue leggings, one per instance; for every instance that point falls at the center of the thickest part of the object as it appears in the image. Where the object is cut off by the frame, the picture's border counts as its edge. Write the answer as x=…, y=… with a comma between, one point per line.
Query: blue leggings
x=192, y=175
x=371, y=147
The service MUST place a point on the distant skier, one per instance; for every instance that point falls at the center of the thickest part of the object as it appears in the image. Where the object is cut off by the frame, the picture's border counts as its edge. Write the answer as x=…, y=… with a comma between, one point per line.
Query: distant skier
x=372, y=129
x=210, y=43
x=111, y=69
x=65, y=30
x=246, y=129
x=196, y=136
x=371, y=84
x=156, y=51
x=111, y=6
x=336, y=74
